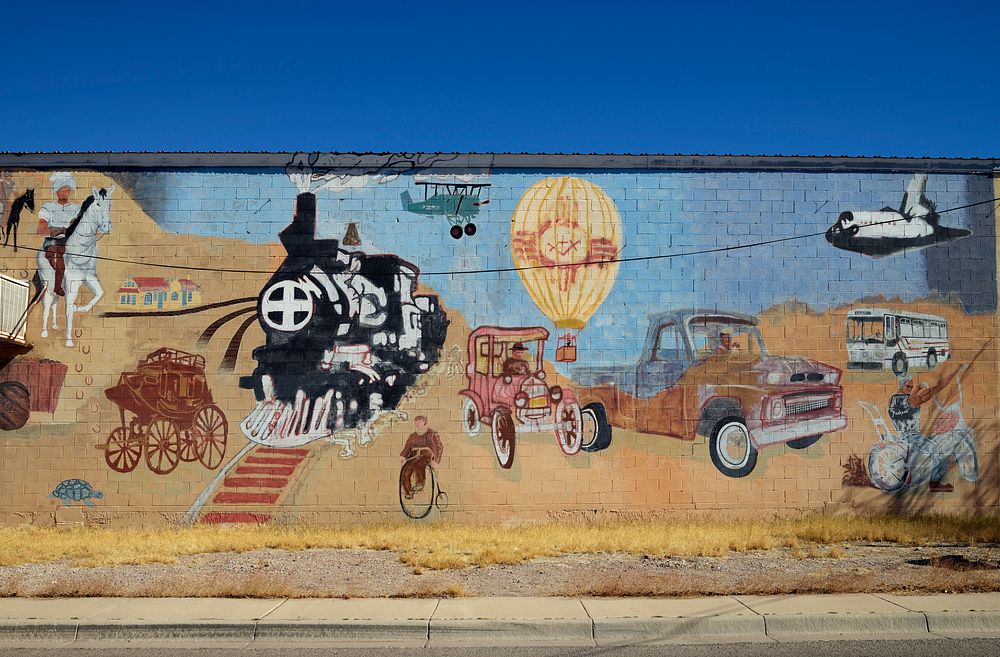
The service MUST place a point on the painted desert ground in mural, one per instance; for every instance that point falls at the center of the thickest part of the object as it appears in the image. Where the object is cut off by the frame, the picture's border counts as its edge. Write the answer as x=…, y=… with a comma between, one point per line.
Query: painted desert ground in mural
x=184, y=338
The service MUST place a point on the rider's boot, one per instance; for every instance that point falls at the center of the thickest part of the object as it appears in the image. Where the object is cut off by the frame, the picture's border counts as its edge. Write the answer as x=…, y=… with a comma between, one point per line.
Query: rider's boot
x=938, y=487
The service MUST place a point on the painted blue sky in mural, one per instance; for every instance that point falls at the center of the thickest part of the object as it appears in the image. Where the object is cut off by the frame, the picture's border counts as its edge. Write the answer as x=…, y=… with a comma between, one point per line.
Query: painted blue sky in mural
x=849, y=77
x=663, y=213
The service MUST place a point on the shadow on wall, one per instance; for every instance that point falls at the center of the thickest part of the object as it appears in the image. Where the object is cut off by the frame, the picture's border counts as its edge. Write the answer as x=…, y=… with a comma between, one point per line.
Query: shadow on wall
x=975, y=256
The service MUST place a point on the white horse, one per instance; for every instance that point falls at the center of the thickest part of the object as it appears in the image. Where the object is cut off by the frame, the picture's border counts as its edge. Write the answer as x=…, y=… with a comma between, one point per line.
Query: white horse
x=80, y=260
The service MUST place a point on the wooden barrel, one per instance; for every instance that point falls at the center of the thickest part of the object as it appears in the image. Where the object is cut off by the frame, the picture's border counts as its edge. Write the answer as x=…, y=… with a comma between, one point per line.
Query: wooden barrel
x=15, y=405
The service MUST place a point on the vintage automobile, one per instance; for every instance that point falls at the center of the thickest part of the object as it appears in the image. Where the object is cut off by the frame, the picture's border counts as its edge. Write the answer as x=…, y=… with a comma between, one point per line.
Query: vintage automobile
x=705, y=372
x=507, y=392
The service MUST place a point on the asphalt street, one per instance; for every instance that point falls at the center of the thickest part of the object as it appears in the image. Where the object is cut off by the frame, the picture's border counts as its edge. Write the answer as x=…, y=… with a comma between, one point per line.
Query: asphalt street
x=842, y=648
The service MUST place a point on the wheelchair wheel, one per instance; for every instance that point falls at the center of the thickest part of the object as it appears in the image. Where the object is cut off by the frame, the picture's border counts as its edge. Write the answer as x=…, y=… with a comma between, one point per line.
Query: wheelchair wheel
x=421, y=502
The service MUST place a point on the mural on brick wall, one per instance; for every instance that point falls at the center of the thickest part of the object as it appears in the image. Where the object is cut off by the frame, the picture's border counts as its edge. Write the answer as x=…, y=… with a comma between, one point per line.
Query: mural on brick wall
x=687, y=340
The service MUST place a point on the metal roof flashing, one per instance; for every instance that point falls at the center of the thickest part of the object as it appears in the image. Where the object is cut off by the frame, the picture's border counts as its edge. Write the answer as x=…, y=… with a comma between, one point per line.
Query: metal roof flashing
x=353, y=161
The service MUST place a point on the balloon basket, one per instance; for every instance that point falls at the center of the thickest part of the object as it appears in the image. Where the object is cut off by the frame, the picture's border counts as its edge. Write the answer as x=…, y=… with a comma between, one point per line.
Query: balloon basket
x=566, y=349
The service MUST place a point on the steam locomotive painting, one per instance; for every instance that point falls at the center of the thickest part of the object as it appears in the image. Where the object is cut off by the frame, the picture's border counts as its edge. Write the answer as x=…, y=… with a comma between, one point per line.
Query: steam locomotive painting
x=346, y=336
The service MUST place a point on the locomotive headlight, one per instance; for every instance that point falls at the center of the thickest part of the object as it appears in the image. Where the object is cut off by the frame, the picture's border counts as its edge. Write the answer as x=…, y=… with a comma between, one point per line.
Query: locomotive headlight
x=555, y=392
x=521, y=399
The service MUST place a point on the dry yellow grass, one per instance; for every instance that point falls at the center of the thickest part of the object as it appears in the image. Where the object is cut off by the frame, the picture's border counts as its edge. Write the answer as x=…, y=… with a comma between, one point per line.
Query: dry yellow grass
x=447, y=546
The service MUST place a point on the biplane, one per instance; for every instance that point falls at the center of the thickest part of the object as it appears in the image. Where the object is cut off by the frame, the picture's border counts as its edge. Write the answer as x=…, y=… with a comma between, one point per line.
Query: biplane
x=459, y=202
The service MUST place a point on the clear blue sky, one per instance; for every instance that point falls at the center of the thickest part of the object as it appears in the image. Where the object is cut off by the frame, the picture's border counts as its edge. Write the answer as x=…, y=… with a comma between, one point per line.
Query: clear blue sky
x=857, y=78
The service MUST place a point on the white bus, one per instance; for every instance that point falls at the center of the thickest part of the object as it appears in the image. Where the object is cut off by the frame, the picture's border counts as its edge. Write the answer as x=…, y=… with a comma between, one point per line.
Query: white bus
x=878, y=339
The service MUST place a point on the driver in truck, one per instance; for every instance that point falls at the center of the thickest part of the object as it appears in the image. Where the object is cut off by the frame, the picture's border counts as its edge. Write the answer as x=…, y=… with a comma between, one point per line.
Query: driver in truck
x=726, y=344
x=517, y=362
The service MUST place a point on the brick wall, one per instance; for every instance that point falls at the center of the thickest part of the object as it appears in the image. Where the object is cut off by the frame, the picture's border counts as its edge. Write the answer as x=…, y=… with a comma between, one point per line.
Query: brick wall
x=266, y=338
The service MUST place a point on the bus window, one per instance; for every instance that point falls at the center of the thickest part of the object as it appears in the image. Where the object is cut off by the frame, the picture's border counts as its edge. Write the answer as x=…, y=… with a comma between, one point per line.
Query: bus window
x=905, y=330
x=918, y=328
x=890, y=328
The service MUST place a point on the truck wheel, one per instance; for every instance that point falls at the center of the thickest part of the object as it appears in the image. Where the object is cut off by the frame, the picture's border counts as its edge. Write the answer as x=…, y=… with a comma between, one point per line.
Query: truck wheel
x=931, y=360
x=504, y=439
x=802, y=443
x=731, y=449
x=470, y=417
x=596, y=430
x=899, y=364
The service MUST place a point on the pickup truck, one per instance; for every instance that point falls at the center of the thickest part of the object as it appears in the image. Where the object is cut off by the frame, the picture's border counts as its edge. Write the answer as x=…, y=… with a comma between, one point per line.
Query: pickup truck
x=705, y=372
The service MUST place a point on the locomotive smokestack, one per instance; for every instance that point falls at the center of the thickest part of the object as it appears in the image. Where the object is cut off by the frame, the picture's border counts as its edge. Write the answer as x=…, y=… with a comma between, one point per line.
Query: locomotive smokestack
x=299, y=238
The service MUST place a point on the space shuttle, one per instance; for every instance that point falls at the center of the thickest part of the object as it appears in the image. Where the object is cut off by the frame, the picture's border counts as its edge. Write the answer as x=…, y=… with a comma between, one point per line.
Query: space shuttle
x=878, y=233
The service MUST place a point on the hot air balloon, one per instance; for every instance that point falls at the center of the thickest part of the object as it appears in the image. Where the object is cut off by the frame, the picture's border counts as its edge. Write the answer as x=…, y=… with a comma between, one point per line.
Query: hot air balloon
x=561, y=235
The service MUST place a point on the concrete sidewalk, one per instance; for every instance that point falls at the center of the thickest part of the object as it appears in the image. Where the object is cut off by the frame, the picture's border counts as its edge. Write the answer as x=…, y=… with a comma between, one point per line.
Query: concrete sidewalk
x=94, y=622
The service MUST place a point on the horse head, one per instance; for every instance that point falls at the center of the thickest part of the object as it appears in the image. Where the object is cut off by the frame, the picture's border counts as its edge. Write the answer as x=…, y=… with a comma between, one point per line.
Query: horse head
x=29, y=199
x=102, y=208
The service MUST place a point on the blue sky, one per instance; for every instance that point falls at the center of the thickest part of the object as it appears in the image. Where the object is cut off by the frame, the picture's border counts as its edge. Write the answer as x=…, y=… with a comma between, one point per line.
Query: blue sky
x=858, y=78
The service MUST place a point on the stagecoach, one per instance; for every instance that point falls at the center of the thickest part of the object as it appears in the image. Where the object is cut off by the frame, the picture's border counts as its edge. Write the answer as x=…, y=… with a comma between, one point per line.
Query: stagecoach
x=167, y=414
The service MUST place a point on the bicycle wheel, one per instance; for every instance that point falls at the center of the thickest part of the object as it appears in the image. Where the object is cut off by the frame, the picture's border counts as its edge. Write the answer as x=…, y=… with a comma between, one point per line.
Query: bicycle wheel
x=420, y=502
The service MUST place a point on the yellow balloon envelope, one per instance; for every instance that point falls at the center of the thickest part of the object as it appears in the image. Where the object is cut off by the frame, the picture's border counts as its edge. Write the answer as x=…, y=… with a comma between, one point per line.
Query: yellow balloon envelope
x=562, y=233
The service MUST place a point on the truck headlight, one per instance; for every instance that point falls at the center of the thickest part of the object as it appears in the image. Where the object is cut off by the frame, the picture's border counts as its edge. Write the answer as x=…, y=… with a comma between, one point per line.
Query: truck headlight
x=831, y=378
x=776, y=409
x=540, y=375
x=774, y=378
x=555, y=392
x=521, y=399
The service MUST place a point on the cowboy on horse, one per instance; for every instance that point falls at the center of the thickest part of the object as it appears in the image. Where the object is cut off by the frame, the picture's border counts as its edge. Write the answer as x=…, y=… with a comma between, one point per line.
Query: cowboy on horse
x=53, y=221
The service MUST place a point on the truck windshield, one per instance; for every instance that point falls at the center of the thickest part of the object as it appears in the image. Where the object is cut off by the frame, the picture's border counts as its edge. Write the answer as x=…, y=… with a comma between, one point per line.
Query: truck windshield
x=867, y=330
x=723, y=336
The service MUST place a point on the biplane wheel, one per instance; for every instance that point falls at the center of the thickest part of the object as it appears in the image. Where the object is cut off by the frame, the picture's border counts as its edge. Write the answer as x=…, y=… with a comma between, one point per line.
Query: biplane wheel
x=121, y=452
x=470, y=229
x=15, y=405
x=456, y=232
x=163, y=446
x=210, y=431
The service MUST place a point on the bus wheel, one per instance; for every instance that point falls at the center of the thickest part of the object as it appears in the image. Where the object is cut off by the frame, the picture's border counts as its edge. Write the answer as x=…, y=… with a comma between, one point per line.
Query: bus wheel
x=899, y=364
x=931, y=360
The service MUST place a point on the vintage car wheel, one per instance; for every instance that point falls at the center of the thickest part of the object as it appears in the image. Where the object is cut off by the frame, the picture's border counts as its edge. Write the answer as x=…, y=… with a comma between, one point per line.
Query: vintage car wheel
x=803, y=443
x=900, y=364
x=504, y=438
x=210, y=431
x=731, y=449
x=887, y=465
x=932, y=360
x=596, y=430
x=163, y=446
x=965, y=456
x=569, y=430
x=122, y=452
x=470, y=417
x=15, y=405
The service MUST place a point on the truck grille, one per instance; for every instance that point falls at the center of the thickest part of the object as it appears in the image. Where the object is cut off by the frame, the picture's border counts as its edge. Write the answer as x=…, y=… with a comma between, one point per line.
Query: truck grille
x=798, y=405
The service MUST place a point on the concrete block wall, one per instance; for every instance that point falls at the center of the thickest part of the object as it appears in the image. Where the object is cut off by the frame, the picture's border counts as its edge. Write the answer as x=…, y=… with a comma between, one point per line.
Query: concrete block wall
x=256, y=341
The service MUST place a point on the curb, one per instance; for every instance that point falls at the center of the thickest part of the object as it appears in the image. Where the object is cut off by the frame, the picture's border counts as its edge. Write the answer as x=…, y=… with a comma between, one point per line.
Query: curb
x=730, y=628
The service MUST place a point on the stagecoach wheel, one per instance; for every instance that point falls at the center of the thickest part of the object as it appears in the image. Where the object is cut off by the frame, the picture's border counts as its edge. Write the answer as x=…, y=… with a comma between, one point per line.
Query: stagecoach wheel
x=186, y=449
x=470, y=229
x=931, y=360
x=965, y=456
x=210, y=431
x=15, y=405
x=887, y=465
x=456, y=232
x=569, y=427
x=899, y=364
x=731, y=449
x=163, y=446
x=420, y=502
x=504, y=438
x=122, y=453
x=470, y=417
